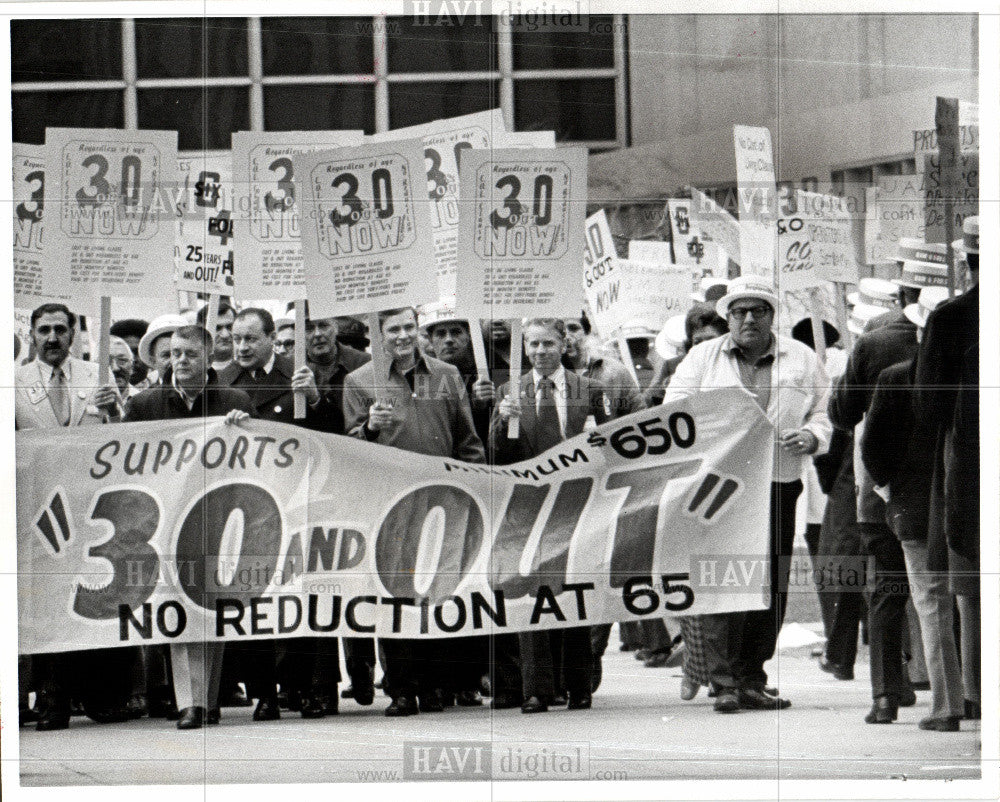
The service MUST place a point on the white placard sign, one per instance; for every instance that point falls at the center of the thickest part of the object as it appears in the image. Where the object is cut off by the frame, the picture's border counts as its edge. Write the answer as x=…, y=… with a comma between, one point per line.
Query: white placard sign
x=894, y=209
x=28, y=206
x=366, y=228
x=830, y=226
x=715, y=223
x=638, y=291
x=267, y=233
x=204, y=243
x=112, y=194
x=757, y=195
x=444, y=141
x=524, y=139
x=521, y=244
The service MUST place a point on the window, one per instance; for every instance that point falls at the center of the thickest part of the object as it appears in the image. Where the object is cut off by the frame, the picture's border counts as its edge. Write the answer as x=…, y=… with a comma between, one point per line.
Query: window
x=209, y=77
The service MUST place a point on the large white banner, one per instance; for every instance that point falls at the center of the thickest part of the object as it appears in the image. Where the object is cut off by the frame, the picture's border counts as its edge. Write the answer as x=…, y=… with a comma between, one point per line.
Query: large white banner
x=268, y=226
x=367, y=242
x=181, y=530
x=521, y=232
x=112, y=196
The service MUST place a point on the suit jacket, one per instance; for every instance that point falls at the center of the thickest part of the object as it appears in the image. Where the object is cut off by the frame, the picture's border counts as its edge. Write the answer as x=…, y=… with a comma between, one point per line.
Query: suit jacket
x=273, y=397
x=161, y=402
x=621, y=393
x=32, y=408
x=330, y=381
x=900, y=453
x=583, y=398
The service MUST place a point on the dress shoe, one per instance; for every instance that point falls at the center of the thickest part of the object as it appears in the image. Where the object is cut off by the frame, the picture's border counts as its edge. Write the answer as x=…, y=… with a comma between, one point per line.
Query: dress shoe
x=923, y=685
x=109, y=715
x=596, y=674
x=756, y=699
x=558, y=700
x=946, y=724
x=689, y=689
x=884, y=711
x=657, y=660
x=214, y=715
x=347, y=693
x=469, y=699
x=580, y=701
x=267, y=709
x=973, y=710
x=402, y=706
x=627, y=647
x=726, y=701
x=331, y=705
x=289, y=700
x=839, y=671
x=312, y=707
x=504, y=702
x=137, y=705
x=770, y=690
x=53, y=712
x=907, y=699
x=534, y=705
x=431, y=702
x=642, y=654
x=363, y=694
x=191, y=718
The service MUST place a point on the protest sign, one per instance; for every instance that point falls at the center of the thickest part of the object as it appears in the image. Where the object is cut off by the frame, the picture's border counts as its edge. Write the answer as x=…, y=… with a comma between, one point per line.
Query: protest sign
x=894, y=209
x=366, y=228
x=650, y=251
x=757, y=197
x=443, y=142
x=639, y=291
x=178, y=531
x=715, y=223
x=521, y=243
x=112, y=231
x=964, y=194
x=204, y=240
x=28, y=206
x=926, y=140
x=524, y=139
x=831, y=229
x=267, y=233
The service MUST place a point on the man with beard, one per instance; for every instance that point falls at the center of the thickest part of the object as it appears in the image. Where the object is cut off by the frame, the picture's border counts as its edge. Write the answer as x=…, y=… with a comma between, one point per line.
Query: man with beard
x=56, y=390
x=420, y=406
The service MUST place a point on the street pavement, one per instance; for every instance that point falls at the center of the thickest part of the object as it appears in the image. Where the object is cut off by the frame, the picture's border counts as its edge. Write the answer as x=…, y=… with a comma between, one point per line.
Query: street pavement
x=638, y=729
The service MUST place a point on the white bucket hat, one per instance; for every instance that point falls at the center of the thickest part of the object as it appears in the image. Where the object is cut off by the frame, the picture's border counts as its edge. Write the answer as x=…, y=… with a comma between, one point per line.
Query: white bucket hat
x=757, y=287
x=164, y=324
x=875, y=292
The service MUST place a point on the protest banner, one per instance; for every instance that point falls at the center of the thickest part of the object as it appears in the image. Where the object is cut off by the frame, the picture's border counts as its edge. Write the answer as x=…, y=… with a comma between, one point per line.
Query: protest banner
x=366, y=228
x=964, y=194
x=639, y=291
x=112, y=193
x=521, y=243
x=757, y=197
x=177, y=531
x=267, y=233
x=204, y=240
x=443, y=142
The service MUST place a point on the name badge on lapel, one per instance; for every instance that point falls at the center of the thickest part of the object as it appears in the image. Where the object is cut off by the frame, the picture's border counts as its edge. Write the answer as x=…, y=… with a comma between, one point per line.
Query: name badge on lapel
x=36, y=393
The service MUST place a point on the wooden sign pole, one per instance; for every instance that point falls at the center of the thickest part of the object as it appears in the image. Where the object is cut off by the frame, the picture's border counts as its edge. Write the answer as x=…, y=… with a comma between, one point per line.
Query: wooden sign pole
x=380, y=365
x=479, y=350
x=104, y=342
x=300, y=354
x=516, y=336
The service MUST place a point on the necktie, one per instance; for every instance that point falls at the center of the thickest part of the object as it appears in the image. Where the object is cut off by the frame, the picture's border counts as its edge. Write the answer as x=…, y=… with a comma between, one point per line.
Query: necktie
x=548, y=433
x=59, y=396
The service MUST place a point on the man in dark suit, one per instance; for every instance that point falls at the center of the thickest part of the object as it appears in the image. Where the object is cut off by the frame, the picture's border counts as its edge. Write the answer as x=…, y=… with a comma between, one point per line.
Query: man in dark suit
x=271, y=381
x=190, y=389
x=946, y=375
x=556, y=405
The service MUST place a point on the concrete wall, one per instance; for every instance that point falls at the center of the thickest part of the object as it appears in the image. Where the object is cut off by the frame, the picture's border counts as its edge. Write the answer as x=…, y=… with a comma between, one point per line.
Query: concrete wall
x=847, y=88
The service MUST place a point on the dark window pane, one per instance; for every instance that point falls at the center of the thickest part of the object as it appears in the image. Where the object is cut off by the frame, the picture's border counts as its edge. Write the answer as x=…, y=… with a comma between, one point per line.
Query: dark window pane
x=191, y=48
x=565, y=48
x=575, y=109
x=412, y=104
x=184, y=110
x=65, y=50
x=34, y=111
x=318, y=45
x=319, y=108
x=466, y=46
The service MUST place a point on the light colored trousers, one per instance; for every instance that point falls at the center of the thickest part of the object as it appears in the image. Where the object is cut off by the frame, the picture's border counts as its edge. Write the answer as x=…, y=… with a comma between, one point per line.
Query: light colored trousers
x=968, y=613
x=197, y=669
x=935, y=608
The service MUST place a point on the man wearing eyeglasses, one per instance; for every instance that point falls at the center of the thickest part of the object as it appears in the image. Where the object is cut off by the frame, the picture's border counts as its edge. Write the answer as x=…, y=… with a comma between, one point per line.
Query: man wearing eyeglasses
x=791, y=387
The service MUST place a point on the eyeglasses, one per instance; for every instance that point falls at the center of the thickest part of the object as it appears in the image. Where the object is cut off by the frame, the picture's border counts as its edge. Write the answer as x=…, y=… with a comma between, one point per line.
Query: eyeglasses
x=740, y=312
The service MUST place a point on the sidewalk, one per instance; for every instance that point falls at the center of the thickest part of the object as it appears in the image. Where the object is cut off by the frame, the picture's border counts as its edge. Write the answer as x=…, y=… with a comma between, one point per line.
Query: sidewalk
x=639, y=729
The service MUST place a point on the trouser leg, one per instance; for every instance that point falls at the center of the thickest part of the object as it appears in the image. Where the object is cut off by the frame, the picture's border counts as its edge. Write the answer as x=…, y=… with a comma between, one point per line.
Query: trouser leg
x=913, y=644
x=577, y=659
x=827, y=598
x=260, y=668
x=721, y=636
x=968, y=610
x=887, y=612
x=400, y=668
x=536, y=665
x=505, y=665
x=359, y=656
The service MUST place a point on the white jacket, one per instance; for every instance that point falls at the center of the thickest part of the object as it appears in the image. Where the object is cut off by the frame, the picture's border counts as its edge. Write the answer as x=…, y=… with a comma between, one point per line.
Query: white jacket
x=32, y=408
x=800, y=390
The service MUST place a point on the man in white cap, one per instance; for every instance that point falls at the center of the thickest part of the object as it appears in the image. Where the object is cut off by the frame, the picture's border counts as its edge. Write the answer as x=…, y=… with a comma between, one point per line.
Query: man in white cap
x=899, y=453
x=946, y=384
x=154, y=346
x=789, y=383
